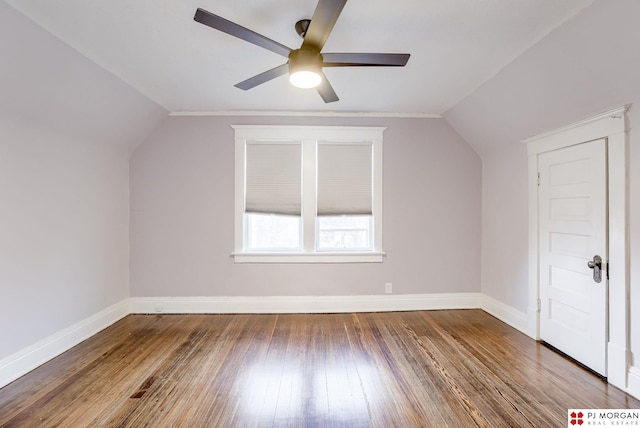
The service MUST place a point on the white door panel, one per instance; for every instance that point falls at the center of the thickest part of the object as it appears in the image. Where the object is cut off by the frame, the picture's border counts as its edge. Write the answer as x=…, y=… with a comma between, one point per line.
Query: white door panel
x=573, y=216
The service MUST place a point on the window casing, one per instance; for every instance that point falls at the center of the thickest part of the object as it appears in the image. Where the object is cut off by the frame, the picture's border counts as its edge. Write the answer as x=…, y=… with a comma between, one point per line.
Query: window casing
x=338, y=215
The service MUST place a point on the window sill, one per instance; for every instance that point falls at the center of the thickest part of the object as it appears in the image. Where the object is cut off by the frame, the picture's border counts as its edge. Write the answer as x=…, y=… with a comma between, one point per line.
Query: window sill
x=345, y=257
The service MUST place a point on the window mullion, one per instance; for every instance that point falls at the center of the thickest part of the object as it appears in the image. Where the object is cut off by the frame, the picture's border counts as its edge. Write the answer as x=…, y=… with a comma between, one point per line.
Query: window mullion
x=309, y=153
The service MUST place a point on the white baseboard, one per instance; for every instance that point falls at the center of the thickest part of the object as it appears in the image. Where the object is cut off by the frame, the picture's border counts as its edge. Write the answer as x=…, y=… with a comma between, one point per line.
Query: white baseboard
x=304, y=304
x=22, y=362
x=505, y=313
x=633, y=385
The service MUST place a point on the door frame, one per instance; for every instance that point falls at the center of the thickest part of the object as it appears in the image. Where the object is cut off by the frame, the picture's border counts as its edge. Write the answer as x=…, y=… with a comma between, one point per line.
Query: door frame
x=611, y=125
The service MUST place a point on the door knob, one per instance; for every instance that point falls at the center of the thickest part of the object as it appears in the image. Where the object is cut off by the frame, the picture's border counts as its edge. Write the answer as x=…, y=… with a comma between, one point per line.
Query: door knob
x=596, y=265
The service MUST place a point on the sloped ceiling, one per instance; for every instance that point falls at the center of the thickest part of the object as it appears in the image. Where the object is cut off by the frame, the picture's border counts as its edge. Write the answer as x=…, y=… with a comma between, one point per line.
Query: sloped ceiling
x=44, y=83
x=586, y=67
x=158, y=49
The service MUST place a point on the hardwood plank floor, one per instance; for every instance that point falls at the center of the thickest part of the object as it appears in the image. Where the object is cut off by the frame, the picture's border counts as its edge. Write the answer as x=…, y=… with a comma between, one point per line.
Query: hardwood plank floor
x=458, y=368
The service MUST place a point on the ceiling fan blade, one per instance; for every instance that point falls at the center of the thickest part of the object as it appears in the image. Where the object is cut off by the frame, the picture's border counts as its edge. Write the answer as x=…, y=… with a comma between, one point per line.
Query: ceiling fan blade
x=326, y=90
x=365, y=59
x=261, y=78
x=322, y=22
x=226, y=26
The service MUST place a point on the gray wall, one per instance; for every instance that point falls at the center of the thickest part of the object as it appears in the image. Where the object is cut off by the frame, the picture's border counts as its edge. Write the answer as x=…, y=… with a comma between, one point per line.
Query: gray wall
x=182, y=215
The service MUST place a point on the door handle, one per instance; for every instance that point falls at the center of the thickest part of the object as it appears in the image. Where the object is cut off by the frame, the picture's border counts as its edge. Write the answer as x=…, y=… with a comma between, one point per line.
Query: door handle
x=596, y=265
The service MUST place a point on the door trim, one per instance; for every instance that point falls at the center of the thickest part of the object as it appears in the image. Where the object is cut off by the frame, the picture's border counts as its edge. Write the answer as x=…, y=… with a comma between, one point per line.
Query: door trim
x=611, y=125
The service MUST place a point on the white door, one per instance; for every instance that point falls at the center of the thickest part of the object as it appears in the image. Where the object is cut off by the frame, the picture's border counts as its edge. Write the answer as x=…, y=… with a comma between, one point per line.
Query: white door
x=573, y=229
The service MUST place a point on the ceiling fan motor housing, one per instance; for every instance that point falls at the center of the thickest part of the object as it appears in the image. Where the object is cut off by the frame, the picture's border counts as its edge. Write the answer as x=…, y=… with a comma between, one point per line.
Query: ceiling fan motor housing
x=305, y=59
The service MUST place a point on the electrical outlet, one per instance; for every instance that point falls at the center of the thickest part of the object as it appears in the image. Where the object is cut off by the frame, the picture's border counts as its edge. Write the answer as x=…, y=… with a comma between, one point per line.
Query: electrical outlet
x=388, y=288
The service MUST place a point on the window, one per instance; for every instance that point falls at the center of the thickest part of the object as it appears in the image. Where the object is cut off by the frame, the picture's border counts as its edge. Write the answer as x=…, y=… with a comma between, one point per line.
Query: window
x=308, y=194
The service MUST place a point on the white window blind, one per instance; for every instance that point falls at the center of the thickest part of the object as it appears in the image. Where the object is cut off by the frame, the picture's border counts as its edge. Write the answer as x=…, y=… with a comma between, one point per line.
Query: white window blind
x=274, y=178
x=344, y=178
x=308, y=194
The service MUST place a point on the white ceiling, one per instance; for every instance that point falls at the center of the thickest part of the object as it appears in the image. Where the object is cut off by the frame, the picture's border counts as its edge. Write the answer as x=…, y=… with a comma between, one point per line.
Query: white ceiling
x=157, y=47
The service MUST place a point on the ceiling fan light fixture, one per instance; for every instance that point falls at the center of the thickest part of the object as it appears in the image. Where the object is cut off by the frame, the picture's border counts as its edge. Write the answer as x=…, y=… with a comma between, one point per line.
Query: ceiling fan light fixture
x=305, y=79
x=305, y=68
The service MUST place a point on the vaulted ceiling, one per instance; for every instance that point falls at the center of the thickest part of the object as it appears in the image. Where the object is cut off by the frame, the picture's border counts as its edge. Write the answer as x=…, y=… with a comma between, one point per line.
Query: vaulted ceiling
x=157, y=48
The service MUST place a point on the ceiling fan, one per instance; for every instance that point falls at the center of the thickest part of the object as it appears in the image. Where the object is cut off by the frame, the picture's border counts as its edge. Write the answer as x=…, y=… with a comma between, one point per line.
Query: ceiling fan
x=305, y=64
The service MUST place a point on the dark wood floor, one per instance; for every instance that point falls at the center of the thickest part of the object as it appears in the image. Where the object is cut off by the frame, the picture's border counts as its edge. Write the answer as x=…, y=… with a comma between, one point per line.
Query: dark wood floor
x=460, y=368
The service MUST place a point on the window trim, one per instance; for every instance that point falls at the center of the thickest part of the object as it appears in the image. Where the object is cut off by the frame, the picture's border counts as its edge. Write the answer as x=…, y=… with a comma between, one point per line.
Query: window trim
x=309, y=136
